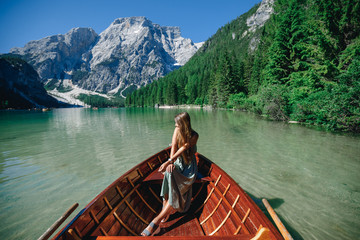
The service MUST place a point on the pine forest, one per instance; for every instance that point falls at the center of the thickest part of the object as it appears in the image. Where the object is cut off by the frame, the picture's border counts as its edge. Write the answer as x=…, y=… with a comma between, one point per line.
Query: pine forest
x=305, y=67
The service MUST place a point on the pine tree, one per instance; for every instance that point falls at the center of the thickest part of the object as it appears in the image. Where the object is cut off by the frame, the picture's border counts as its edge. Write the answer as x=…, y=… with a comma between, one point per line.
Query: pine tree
x=171, y=96
x=279, y=66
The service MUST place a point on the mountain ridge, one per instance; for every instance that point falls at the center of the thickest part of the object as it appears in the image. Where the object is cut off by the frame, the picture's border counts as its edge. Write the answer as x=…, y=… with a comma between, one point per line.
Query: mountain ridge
x=131, y=52
x=20, y=86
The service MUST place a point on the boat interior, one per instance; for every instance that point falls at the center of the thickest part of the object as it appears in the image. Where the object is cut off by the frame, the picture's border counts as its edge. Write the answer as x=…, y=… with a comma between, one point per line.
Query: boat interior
x=219, y=208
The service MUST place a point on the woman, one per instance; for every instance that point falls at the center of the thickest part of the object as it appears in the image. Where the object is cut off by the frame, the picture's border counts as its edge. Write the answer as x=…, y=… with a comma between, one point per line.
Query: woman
x=180, y=173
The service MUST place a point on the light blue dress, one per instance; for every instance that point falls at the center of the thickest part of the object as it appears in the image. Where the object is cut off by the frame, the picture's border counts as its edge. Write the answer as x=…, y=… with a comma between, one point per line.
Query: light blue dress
x=178, y=184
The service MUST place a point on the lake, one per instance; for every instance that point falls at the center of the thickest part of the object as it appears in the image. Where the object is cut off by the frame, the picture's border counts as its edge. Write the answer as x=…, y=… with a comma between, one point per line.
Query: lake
x=50, y=160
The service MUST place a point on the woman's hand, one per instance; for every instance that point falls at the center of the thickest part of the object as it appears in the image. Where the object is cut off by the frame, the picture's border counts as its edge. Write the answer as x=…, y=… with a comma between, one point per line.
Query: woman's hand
x=170, y=168
x=163, y=166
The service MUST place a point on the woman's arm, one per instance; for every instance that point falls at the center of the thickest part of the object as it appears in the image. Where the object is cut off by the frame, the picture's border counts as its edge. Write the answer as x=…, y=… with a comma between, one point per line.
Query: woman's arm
x=169, y=165
x=174, y=149
x=174, y=155
x=174, y=146
x=192, y=142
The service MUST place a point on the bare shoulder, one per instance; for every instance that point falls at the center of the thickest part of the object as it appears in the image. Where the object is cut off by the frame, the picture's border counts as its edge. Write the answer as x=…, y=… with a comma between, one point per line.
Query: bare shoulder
x=176, y=131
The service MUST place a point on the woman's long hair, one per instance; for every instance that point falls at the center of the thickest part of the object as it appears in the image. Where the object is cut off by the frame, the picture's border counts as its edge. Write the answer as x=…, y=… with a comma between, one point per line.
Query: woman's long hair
x=184, y=124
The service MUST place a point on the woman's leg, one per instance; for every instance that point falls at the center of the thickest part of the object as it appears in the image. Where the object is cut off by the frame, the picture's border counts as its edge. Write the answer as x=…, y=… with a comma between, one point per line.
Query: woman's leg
x=164, y=212
x=165, y=201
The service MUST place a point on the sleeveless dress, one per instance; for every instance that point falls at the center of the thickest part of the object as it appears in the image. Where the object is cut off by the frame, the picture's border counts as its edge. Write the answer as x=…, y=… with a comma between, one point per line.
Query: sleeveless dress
x=178, y=184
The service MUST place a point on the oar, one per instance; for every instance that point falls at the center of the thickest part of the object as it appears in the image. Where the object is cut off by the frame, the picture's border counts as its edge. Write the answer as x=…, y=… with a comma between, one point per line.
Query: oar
x=279, y=224
x=58, y=222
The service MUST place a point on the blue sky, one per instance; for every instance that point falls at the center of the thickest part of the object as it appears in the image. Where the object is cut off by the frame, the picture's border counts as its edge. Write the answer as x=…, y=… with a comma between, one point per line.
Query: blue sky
x=24, y=20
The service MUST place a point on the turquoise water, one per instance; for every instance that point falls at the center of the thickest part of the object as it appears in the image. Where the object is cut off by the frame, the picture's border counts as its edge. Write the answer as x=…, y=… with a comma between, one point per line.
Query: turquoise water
x=50, y=160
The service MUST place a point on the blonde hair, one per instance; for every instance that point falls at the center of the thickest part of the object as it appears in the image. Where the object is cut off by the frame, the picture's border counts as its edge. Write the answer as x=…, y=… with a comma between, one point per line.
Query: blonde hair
x=185, y=133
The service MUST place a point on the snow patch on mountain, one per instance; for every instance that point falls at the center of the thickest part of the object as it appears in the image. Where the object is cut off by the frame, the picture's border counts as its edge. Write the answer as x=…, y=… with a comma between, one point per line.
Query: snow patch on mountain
x=71, y=96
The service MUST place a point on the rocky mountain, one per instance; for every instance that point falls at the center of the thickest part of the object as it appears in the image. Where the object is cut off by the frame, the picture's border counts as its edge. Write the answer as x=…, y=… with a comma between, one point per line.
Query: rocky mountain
x=54, y=56
x=20, y=86
x=258, y=20
x=130, y=52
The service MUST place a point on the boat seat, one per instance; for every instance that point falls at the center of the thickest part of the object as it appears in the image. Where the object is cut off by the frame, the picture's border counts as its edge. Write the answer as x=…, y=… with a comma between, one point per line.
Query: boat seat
x=158, y=176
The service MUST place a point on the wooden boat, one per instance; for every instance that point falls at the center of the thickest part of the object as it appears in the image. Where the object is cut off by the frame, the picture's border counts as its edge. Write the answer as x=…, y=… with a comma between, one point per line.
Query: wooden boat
x=220, y=208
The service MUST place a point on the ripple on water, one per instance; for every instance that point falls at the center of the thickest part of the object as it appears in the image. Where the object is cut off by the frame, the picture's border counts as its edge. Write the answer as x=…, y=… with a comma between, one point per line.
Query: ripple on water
x=46, y=164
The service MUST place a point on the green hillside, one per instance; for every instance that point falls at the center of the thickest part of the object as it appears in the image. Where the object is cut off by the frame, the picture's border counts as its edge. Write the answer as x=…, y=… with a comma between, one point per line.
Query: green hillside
x=305, y=67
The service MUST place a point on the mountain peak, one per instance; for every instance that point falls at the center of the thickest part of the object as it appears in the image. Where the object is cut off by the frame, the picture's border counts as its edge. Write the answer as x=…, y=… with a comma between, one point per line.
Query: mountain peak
x=131, y=51
x=130, y=20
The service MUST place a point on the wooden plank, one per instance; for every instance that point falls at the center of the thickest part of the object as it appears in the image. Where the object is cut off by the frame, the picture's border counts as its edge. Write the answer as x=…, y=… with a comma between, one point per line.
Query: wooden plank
x=99, y=209
x=228, y=204
x=141, y=209
x=239, y=237
x=129, y=219
x=263, y=234
x=277, y=221
x=222, y=212
x=150, y=165
x=132, y=220
x=94, y=217
x=246, y=216
x=115, y=228
x=222, y=223
x=103, y=231
x=209, y=195
x=207, y=227
x=213, y=211
x=155, y=195
x=58, y=222
x=119, y=204
x=142, y=198
x=199, y=226
x=218, y=204
x=73, y=234
x=124, y=224
x=132, y=209
x=216, y=219
x=106, y=225
x=258, y=216
x=107, y=203
x=181, y=225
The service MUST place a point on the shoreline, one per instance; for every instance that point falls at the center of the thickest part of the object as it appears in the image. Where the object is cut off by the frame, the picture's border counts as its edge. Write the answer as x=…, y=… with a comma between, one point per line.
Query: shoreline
x=187, y=106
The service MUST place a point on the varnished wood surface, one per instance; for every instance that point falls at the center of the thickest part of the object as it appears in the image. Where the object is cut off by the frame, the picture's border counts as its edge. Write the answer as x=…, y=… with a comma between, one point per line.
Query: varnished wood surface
x=238, y=237
x=220, y=209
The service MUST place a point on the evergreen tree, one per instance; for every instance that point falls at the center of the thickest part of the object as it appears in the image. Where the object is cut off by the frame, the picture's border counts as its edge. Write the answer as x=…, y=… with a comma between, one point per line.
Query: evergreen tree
x=303, y=68
x=171, y=93
x=279, y=65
